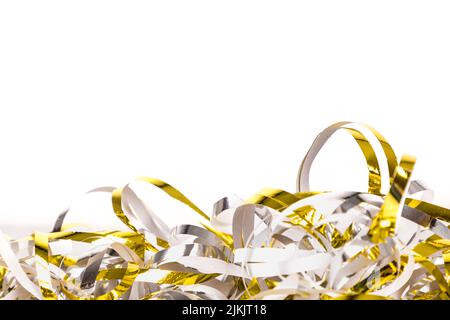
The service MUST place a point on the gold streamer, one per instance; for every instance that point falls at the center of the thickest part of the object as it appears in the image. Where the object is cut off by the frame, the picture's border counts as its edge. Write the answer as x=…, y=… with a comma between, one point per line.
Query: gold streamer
x=275, y=245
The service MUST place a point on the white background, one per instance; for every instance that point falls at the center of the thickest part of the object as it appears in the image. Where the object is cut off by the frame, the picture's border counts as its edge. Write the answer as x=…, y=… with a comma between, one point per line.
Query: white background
x=215, y=97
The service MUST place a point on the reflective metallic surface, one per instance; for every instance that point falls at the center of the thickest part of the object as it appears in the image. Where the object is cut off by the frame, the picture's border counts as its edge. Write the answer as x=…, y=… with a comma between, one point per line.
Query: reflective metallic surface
x=275, y=245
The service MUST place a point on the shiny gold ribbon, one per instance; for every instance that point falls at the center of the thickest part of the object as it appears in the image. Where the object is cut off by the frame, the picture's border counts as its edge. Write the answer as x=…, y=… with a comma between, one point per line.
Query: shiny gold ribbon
x=276, y=244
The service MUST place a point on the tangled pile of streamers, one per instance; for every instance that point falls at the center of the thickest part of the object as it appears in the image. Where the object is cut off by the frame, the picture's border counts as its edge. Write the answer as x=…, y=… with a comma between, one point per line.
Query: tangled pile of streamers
x=275, y=245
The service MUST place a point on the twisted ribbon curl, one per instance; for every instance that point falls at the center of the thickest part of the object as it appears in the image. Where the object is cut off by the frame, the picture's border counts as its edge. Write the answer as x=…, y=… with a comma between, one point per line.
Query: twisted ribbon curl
x=275, y=245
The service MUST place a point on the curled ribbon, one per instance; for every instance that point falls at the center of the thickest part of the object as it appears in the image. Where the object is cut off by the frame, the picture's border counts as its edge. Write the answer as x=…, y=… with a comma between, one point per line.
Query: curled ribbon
x=274, y=245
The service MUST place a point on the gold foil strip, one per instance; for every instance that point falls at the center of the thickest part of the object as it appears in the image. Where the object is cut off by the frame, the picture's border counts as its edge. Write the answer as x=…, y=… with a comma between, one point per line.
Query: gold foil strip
x=329, y=245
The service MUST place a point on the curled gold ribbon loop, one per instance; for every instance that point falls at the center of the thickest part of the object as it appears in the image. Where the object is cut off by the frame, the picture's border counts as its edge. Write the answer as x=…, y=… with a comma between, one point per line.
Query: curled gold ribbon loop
x=374, y=180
